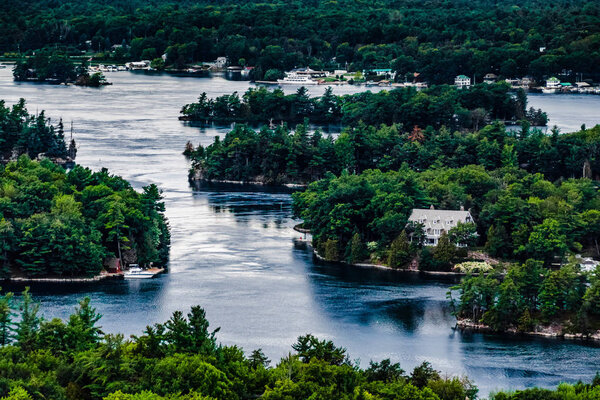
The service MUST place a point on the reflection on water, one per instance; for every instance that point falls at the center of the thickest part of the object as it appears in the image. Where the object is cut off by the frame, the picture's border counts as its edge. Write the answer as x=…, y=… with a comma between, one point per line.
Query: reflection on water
x=235, y=253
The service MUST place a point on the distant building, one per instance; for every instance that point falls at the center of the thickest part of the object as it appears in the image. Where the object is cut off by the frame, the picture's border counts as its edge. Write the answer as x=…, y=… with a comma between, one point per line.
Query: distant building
x=221, y=62
x=490, y=78
x=553, y=82
x=435, y=222
x=462, y=81
x=386, y=72
x=311, y=73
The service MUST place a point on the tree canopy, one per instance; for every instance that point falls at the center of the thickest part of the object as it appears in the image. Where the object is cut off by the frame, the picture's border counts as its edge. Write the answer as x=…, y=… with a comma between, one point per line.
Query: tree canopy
x=440, y=40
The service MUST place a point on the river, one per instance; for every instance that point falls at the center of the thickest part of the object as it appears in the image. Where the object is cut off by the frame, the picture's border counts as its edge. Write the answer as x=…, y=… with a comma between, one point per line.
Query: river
x=233, y=249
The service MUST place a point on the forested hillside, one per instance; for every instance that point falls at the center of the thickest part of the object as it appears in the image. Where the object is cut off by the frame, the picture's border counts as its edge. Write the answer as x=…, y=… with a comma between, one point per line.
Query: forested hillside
x=439, y=39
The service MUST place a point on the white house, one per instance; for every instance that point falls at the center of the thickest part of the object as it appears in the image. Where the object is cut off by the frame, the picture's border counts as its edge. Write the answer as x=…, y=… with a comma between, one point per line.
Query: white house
x=435, y=222
x=553, y=82
x=490, y=78
x=221, y=62
x=462, y=81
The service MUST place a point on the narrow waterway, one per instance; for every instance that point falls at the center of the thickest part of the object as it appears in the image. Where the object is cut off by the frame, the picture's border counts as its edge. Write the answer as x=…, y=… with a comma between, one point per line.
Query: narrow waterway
x=234, y=253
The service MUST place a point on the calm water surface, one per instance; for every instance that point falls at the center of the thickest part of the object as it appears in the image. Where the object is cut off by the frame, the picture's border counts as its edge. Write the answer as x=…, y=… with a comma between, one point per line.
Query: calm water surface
x=233, y=249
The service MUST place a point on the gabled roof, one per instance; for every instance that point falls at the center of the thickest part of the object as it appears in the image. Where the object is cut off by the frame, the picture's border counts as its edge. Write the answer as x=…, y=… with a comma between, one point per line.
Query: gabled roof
x=462, y=77
x=428, y=213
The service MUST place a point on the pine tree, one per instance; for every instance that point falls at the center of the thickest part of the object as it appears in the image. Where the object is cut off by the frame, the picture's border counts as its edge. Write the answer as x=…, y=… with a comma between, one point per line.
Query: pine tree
x=258, y=358
x=6, y=321
x=27, y=327
x=399, y=254
x=358, y=251
x=445, y=251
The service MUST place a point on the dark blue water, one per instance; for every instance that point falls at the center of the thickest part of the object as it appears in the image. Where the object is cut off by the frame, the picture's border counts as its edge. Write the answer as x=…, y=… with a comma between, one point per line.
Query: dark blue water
x=234, y=251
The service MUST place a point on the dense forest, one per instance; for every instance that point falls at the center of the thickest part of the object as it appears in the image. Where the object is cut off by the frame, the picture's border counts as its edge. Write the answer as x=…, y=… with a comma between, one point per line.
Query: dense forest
x=33, y=135
x=519, y=215
x=59, y=223
x=531, y=296
x=48, y=66
x=182, y=360
x=278, y=155
x=440, y=105
x=438, y=39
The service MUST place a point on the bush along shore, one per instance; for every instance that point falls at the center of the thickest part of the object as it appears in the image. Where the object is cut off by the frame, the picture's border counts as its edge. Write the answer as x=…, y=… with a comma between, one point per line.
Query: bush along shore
x=68, y=225
x=182, y=360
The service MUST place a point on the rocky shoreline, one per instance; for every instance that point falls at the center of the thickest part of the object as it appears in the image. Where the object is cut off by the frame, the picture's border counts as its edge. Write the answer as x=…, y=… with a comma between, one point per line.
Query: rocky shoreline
x=554, y=331
x=381, y=266
x=257, y=183
x=96, y=278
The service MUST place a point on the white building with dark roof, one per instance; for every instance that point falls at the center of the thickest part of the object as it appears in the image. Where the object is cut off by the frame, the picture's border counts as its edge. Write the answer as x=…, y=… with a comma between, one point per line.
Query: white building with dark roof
x=435, y=222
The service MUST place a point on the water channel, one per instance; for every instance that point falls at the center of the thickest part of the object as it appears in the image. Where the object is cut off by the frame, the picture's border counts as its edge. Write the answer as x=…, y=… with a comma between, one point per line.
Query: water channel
x=234, y=253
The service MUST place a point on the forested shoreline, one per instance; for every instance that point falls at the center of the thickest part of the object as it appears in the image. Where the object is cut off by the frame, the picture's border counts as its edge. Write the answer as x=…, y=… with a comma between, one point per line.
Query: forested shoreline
x=58, y=223
x=439, y=40
x=181, y=359
x=443, y=105
x=52, y=67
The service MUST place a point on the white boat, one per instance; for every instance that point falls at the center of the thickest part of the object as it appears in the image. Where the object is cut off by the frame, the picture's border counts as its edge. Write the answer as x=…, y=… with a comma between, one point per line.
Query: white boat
x=293, y=78
x=548, y=90
x=135, y=272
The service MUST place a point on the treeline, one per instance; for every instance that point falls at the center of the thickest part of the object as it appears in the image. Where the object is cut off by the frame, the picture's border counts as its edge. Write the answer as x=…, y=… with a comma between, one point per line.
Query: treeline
x=58, y=223
x=24, y=133
x=182, y=360
x=531, y=297
x=440, y=105
x=55, y=67
x=438, y=39
x=277, y=155
x=519, y=215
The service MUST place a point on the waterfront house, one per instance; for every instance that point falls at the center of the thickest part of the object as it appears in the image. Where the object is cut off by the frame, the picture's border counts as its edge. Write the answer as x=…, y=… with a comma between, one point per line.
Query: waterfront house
x=462, y=81
x=490, y=78
x=435, y=222
x=553, y=83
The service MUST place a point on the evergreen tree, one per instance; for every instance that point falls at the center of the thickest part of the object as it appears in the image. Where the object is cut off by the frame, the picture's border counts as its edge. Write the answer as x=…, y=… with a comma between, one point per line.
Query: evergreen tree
x=445, y=250
x=399, y=254
x=358, y=250
x=28, y=325
x=6, y=318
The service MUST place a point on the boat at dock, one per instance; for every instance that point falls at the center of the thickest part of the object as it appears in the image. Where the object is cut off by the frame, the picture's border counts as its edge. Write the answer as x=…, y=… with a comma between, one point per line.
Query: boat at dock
x=296, y=79
x=135, y=272
x=302, y=76
x=549, y=90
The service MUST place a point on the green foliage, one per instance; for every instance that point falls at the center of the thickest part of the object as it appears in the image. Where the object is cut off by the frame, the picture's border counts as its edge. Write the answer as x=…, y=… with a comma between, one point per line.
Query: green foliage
x=358, y=250
x=407, y=36
x=24, y=133
x=309, y=347
x=436, y=106
x=332, y=251
x=530, y=295
x=180, y=360
x=400, y=252
x=445, y=251
x=48, y=66
x=66, y=224
x=277, y=155
x=463, y=234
